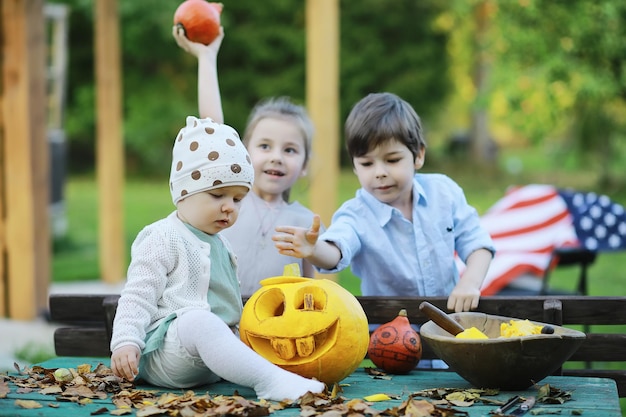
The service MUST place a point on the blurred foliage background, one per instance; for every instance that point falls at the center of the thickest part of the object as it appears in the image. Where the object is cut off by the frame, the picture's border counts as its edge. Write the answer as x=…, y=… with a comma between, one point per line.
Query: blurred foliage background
x=510, y=92
x=486, y=76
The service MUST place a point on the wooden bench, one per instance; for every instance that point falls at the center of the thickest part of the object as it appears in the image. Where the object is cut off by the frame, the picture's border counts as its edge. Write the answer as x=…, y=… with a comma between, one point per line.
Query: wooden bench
x=90, y=317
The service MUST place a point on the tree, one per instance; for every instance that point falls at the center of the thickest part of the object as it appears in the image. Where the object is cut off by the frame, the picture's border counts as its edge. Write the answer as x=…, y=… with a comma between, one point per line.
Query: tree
x=385, y=46
x=561, y=73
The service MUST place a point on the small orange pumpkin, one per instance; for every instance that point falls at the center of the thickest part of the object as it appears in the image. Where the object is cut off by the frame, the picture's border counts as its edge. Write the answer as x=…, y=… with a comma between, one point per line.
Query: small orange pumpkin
x=200, y=19
x=395, y=347
x=312, y=327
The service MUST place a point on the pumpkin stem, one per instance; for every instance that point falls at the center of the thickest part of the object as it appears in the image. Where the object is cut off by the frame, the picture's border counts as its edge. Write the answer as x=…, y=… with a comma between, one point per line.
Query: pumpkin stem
x=402, y=313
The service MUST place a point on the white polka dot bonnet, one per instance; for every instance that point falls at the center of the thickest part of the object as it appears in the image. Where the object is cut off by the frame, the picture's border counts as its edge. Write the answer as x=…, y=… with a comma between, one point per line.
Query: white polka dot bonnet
x=206, y=156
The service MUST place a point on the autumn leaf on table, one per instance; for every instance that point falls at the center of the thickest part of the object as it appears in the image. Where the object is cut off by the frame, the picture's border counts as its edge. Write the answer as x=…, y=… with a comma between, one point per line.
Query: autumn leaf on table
x=377, y=397
x=377, y=373
x=458, y=396
x=28, y=404
x=4, y=389
x=423, y=408
x=548, y=394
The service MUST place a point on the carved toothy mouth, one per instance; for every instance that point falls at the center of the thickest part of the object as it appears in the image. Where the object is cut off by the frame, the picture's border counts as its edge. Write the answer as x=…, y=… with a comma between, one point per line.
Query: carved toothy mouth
x=294, y=350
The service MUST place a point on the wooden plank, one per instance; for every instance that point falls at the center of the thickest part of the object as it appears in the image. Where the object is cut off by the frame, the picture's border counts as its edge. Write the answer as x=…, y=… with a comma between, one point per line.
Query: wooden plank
x=593, y=310
x=109, y=147
x=3, y=178
x=383, y=309
x=57, y=75
x=576, y=310
x=83, y=308
x=604, y=347
x=322, y=98
x=27, y=240
x=322, y=92
x=86, y=341
x=3, y=247
x=618, y=376
x=40, y=153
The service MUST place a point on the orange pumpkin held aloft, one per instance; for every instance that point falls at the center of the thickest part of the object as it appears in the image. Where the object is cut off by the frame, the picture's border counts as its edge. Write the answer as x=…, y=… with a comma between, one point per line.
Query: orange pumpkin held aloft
x=200, y=19
x=395, y=347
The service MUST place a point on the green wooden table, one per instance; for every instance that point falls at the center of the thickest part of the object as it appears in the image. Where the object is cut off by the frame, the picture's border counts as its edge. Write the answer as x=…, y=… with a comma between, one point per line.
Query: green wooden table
x=593, y=397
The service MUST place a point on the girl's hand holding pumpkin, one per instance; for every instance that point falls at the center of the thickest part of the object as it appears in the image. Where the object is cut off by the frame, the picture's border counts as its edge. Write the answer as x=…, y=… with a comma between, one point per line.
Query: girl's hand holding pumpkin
x=197, y=49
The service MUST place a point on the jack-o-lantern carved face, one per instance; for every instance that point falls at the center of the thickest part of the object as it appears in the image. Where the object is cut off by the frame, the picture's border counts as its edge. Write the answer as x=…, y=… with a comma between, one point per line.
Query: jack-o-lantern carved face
x=314, y=328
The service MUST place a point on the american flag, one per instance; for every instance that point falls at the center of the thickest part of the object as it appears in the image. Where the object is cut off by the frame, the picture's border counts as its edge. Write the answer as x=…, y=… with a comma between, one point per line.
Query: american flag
x=530, y=221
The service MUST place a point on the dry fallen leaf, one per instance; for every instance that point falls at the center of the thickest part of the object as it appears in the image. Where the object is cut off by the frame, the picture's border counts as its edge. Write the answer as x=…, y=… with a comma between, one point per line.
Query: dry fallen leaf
x=418, y=408
x=121, y=411
x=4, y=389
x=377, y=373
x=28, y=404
x=53, y=389
x=459, y=397
x=548, y=394
x=91, y=383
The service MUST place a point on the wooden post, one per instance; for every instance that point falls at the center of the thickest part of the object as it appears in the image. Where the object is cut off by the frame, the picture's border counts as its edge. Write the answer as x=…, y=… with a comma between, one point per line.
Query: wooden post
x=109, y=147
x=24, y=229
x=322, y=97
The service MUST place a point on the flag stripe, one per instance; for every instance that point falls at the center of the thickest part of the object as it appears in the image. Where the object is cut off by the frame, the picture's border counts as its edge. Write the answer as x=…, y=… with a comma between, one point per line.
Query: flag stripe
x=537, y=226
x=526, y=225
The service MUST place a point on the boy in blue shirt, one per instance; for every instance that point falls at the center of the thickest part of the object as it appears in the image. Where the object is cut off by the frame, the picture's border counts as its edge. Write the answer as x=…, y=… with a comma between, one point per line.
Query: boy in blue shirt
x=401, y=231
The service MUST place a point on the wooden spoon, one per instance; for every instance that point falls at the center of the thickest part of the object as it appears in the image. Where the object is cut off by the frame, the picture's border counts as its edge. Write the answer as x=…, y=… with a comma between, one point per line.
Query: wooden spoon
x=453, y=327
x=441, y=318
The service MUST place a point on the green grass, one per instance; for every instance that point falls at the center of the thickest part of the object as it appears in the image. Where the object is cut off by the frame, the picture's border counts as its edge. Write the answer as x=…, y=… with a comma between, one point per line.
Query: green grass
x=76, y=255
x=32, y=353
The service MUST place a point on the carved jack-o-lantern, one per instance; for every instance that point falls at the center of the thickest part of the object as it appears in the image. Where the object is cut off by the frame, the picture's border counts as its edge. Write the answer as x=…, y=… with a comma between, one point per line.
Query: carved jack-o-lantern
x=312, y=327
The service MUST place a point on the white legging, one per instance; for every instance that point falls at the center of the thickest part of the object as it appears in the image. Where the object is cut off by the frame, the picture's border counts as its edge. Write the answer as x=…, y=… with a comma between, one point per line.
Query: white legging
x=205, y=335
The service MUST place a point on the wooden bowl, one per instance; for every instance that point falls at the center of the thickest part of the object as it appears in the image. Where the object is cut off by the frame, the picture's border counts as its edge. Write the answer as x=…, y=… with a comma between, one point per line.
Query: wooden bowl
x=509, y=364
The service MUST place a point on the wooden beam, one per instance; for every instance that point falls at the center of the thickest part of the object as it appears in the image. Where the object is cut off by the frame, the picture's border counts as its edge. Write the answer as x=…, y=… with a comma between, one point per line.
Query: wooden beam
x=26, y=247
x=322, y=98
x=4, y=276
x=109, y=147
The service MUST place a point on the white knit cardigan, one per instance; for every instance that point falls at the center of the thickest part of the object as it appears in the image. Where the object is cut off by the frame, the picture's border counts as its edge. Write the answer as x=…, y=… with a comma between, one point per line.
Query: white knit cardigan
x=169, y=273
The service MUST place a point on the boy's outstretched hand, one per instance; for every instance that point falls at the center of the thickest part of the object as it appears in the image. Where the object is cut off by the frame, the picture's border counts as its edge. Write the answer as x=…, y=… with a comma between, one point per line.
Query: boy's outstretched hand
x=297, y=241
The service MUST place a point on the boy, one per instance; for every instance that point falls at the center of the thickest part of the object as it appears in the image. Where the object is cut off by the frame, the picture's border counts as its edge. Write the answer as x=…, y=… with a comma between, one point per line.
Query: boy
x=400, y=232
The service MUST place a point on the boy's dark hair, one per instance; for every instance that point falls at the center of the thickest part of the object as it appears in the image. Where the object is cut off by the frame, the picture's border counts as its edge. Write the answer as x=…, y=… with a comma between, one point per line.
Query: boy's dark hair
x=379, y=117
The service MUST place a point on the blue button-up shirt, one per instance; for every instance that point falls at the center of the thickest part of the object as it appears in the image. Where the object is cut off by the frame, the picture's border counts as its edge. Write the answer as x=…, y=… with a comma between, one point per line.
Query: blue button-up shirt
x=394, y=256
